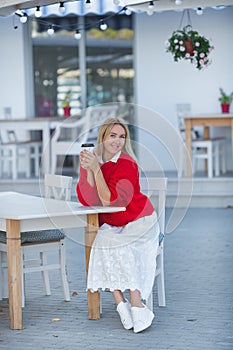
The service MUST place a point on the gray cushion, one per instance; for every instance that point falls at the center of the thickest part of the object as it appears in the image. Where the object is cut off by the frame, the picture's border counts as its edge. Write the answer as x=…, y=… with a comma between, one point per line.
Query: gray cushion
x=36, y=236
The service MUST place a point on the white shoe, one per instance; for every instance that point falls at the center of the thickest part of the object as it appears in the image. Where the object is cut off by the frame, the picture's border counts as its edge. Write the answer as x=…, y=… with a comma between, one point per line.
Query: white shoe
x=142, y=318
x=124, y=311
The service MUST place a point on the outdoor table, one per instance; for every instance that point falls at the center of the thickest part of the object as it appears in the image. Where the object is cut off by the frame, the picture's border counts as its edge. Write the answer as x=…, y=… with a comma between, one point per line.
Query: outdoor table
x=43, y=124
x=205, y=120
x=20, y=213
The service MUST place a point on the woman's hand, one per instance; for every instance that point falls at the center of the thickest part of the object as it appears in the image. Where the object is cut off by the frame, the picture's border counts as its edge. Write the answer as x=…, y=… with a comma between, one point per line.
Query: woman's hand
x=89, y=161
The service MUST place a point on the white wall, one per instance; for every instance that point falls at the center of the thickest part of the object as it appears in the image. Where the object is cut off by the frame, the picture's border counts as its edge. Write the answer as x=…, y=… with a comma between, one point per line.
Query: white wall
x=161, y=83
x=12, y=69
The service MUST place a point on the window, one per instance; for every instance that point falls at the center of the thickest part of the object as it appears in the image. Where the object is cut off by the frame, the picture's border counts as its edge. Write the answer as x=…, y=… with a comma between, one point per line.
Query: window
x=109, y=64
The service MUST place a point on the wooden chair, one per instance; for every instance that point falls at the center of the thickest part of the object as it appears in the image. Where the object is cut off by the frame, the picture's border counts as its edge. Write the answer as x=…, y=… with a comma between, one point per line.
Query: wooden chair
x=153, y=186
x=40, y=243
x=211, y=150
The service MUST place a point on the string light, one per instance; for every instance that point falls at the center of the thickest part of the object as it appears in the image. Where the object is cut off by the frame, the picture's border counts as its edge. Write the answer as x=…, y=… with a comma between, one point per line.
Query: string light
x=50, y=31
x=128, y=11
x=103, y=25
x=51, y=27
x=150, y=10
x=199, y=11
x=88, y=4
x=62, y=8
x=38, y=12
x=24, y=18
x=151, y=5
x=77, y=35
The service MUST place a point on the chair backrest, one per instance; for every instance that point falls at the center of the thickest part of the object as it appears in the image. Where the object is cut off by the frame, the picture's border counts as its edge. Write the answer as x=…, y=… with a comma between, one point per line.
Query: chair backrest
x=182, y=110
x=58, y=186
x=156, y=186
x=70, y=134
x=97, y=115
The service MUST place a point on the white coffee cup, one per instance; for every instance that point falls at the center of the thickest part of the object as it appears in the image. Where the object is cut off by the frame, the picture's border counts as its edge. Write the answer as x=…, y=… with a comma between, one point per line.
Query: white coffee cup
x=88, y=146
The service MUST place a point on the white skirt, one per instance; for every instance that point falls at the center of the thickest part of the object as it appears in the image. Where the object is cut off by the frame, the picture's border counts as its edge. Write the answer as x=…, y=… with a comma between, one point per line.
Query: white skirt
x=124, y=258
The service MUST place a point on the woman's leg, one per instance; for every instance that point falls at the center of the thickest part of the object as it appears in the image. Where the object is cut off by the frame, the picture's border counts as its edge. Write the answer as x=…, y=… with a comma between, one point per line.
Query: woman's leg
x=135, y=298
x=123, y=309
x=118, y=296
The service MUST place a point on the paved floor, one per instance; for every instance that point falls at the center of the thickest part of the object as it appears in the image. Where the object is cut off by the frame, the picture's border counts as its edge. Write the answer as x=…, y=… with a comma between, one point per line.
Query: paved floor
x=199, y=291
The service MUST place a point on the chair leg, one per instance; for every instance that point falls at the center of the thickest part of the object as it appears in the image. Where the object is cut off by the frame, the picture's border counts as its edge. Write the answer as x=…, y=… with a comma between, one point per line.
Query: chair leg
x=210, y=161
x=160, y=281
x=62, y=261
x=216, y=160
x=45, y=274
x=223, y=158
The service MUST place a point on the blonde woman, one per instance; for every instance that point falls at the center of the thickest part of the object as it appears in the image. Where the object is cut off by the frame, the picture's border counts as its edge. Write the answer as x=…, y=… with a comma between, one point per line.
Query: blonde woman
x=123, y=256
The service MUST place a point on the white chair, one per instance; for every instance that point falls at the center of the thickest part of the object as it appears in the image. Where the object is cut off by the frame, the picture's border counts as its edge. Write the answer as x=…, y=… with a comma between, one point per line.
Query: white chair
x=17, y=156
x=211, y=150
x=69, y=136
x=36, y=245
x=97, y=115
x=67, y=140
x=156, y=189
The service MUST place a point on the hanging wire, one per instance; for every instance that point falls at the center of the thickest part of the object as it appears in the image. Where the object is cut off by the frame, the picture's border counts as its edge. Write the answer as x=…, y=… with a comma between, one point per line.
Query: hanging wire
x=186, y=12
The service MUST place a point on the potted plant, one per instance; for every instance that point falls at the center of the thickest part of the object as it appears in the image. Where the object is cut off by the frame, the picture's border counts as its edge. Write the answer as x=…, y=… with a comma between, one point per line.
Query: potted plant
x=189, y=45
x=225, y=101
x=66, y=104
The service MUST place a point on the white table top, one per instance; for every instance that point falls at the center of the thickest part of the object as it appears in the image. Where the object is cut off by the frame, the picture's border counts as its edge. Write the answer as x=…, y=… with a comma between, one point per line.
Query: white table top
x=18, y=206
x=210, y=115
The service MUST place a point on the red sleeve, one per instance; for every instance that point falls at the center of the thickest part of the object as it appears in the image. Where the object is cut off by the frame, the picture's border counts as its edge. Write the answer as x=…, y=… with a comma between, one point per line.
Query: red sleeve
x=123, y=183
x=87, y=194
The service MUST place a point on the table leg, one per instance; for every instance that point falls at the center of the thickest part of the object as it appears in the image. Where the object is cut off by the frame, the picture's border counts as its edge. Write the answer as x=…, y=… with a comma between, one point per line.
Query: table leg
x=46, y=154
x=188, y=138
x=206, y=136
x=14, y=273
x=93, y=298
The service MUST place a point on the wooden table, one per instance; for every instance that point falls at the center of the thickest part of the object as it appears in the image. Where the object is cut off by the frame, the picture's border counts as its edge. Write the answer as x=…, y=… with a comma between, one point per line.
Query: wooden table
x=44, y=124
x=205, y=120
x=20, y=213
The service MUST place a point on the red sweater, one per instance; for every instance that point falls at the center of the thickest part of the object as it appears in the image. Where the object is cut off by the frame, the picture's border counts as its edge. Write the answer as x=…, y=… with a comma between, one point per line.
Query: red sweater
x=122, y=179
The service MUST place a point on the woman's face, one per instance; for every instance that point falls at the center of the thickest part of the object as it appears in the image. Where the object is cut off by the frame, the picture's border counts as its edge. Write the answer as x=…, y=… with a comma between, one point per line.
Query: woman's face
x=114, y=142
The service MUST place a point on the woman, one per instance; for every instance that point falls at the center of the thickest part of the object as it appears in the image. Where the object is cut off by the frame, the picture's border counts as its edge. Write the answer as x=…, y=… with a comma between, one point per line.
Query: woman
x=123, y=256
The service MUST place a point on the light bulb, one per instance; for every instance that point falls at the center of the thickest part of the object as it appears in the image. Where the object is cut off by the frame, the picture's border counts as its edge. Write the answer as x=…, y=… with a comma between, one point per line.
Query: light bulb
x=151, y=5
x=178, y=2
x=88, y=4
x=116, y=2
x=24, y=18
x=50, y=31
x=62, y=8
x=199, y=11
x=38, y=12
x=128, y=12
x=103, y=25
x=77, y=35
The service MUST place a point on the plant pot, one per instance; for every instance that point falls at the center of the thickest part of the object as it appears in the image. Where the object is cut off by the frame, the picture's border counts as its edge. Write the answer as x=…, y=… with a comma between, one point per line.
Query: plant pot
x=66, y=111
x=225, y=107
x=189, y=47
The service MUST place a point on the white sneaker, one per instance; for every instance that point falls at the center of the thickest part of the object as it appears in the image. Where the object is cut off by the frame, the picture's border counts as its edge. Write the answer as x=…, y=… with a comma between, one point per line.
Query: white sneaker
x=142, y=318
x=124, y=311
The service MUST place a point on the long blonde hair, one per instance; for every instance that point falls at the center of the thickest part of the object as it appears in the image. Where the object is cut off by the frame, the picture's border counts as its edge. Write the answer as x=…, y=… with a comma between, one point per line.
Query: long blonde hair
x=106, y=128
